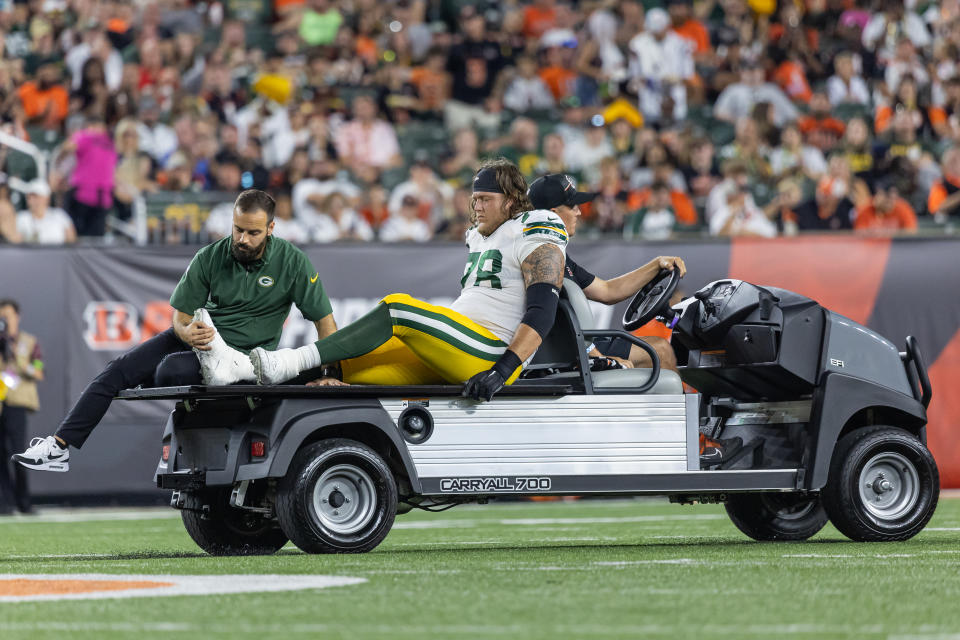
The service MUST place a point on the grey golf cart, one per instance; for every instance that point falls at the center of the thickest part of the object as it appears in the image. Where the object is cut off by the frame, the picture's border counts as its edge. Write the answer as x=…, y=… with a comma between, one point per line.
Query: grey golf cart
x=831, y=417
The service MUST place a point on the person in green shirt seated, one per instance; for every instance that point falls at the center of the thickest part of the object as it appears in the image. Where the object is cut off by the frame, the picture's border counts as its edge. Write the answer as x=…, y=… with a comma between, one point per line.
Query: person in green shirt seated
x=234, y=296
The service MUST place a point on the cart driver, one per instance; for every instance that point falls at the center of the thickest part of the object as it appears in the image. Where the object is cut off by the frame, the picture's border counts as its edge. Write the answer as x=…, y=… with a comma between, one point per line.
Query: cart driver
x=558, y=193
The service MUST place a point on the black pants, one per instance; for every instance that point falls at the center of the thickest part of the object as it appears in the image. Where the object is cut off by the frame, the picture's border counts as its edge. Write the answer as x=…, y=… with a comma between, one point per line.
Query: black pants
x=13, y=477
x=146, y=364
x=89, y=220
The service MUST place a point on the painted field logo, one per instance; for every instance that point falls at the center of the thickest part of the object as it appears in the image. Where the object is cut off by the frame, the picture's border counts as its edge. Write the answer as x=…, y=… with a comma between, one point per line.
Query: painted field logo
x=265, y=281
x=87, y=586
x=111, y=326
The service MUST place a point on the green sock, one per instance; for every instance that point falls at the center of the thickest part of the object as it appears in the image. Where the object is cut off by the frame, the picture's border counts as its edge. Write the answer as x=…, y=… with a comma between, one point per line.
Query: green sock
x=358, y=338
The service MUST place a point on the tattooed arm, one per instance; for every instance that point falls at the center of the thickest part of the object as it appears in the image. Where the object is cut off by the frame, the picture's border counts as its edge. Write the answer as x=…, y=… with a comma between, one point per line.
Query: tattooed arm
x=544, y=265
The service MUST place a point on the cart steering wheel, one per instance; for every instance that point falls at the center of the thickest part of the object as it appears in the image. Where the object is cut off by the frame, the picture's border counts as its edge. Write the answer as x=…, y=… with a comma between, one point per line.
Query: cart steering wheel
x=652, y=300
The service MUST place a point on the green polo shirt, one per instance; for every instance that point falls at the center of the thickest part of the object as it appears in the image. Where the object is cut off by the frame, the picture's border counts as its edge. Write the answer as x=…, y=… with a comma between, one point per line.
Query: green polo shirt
x=249, y=303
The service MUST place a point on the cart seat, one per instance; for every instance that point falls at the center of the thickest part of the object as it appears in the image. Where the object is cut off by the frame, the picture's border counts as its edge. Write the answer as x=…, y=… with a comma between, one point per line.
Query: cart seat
x=575, y=303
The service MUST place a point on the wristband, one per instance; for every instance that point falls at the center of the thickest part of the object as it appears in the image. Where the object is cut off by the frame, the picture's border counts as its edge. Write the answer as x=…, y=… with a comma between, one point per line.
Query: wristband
x=507, y=364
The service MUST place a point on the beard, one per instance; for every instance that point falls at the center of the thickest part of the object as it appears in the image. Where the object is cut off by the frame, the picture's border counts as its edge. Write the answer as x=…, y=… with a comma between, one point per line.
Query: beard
x=244, y=254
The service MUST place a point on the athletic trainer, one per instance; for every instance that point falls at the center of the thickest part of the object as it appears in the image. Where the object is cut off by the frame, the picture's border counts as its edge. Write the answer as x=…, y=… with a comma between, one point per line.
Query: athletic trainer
x=237, y=292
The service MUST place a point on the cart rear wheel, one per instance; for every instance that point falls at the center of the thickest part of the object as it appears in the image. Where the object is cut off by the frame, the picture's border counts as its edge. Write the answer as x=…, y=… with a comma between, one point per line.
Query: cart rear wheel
x=883, y=485
x=776, y=515
x=222, y=530
x=339, y=496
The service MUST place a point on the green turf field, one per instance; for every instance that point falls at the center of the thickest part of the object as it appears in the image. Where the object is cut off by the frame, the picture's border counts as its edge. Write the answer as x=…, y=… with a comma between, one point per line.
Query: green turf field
x=603, y=569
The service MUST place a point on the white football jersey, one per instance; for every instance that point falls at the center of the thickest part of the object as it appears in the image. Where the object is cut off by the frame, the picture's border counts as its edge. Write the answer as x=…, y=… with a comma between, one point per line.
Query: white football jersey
x=493, y=293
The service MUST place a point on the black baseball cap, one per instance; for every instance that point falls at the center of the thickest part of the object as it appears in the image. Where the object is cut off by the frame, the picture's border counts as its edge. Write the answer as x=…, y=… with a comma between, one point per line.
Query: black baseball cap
x=556, y=190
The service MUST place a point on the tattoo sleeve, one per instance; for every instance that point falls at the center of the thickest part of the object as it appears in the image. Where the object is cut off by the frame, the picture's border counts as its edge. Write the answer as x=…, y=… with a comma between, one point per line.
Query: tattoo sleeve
x=545, y=264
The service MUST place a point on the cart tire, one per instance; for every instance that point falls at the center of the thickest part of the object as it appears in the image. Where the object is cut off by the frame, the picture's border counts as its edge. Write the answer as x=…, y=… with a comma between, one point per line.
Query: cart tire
x=883, y=485
x=339, y=496
x=772, y=516
x=228, y=531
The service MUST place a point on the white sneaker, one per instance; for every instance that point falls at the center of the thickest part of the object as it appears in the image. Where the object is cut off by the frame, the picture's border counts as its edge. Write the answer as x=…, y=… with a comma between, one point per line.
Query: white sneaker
x=275, y=367
x=44, y=454
x=222, y=364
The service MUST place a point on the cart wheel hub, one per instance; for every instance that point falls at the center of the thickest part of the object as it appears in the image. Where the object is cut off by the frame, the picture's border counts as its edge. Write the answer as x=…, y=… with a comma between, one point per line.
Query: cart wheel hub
x=889, y=485
x=344, y=499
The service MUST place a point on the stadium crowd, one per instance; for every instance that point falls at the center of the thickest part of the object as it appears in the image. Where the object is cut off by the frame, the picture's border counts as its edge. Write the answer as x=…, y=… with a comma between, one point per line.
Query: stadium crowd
x=367, y=119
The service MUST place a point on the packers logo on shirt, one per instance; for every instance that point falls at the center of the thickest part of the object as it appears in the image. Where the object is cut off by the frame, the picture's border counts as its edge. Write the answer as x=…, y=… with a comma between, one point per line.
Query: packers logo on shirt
x=265, y=281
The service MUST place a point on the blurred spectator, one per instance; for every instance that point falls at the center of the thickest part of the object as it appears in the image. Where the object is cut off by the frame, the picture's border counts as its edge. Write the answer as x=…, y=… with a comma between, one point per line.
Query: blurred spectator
x=45, y=101
x=554, y=157
x=687, y=26
x=338, y=221
x=405, y=224
x=284, y=224
x=749, y=149
x=945, y=118
x=661, y=64
x=156, y=139
x=178, y=175
x=527, y=90
x=462, y=161
x=8, y=216
x=905, y=100
x=474, y=63
x=91, y=196
x=885, y=27
x=522, y=145
x=310, y=194
x=906, y=63
x=539, y=17
x=367, y=141
x=886, y=211
x=433, y=82
x=608, y=211
x=434, y=197
x=684, y=212
x=94, y=46
x=41, y=223
x=820, y=129
x=656, y=220
x=317, y=22
x=374, y=209
x=601, y=62
x=857, y=147
x=557, y=72
x=738, y=99
x=584, y=155
x=829, y=210
x=701, y=171
x=227, y=175
x=846, y=86
x=903, y=146
x=731, y=209
x=793, y=158
x=944, y=199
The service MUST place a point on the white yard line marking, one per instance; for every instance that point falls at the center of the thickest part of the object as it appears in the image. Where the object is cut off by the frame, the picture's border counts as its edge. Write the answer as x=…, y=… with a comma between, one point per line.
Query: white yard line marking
x=182, y=585
x=95, y=516
x=446, y=631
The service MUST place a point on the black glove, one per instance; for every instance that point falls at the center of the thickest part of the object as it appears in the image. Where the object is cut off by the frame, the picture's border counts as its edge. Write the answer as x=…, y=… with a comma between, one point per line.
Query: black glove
x=483, y=385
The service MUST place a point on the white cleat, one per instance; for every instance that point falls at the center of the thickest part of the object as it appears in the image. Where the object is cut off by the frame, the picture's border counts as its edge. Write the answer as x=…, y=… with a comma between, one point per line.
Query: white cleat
x=44, y=454
x=275, y=367
x=222, y=364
